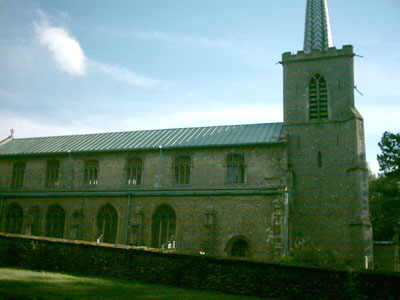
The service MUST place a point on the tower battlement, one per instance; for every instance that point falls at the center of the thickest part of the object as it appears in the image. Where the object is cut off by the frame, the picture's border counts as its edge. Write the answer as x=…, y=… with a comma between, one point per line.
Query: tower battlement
x=347, y=50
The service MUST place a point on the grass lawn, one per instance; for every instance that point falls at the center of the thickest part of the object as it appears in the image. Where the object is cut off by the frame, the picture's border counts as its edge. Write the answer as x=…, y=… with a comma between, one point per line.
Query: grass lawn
x=25, y=284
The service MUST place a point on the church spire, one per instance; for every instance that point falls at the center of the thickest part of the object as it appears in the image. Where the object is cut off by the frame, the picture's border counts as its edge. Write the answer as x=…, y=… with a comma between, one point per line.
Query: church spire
x=317, y=34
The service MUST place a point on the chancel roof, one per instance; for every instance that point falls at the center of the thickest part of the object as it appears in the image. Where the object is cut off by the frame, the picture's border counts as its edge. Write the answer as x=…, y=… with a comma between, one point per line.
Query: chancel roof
x=317, y=35
x=196, y=137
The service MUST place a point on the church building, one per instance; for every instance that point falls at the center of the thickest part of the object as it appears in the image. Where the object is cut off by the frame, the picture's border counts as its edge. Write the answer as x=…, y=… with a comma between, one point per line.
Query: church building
x=260, y=191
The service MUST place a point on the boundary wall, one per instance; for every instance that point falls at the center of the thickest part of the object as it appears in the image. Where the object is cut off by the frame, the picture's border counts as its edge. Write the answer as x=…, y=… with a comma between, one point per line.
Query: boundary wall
x=232, y=276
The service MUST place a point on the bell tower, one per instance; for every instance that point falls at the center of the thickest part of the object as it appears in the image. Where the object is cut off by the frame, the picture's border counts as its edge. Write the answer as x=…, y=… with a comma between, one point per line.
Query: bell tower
x=326, y=152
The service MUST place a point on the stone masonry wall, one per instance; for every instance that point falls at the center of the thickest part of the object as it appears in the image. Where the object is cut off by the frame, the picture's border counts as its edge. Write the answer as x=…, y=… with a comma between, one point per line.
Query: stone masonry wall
x=327, y=158
x=265, y=166
x=196, y=272
x=249, y=216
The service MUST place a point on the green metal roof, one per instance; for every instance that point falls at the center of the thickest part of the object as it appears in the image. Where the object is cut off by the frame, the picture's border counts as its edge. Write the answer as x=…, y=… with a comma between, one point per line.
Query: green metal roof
x=212, y=136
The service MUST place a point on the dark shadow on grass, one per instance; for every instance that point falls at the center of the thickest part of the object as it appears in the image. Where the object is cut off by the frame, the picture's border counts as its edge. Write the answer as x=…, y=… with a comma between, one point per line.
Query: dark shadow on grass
x=24, y=284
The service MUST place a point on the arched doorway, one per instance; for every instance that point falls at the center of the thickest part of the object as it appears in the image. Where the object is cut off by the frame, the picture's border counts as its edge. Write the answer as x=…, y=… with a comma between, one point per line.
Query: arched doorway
x=239, y=246
x=163, y=227
x=55, y=220
x=14, y=218
x=107, y=221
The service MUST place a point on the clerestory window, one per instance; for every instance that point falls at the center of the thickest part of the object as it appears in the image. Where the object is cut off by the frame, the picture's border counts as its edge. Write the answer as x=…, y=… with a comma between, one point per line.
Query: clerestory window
x=91, y=172
x=182, y=169
x=318, y=98
x=134, y=171
x=235, y=168
x=52, y=173
x=18, y=175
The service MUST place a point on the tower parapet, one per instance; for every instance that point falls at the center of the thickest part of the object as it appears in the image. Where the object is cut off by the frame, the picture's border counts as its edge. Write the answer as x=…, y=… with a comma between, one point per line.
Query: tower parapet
x=346, y=50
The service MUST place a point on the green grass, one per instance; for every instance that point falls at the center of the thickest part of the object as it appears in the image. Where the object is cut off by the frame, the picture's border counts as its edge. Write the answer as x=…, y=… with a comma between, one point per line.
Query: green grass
x=25, y=284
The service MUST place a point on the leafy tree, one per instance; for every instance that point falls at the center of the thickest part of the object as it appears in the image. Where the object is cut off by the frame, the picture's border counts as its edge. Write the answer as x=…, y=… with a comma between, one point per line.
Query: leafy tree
x=389, y=160
x=385, y=189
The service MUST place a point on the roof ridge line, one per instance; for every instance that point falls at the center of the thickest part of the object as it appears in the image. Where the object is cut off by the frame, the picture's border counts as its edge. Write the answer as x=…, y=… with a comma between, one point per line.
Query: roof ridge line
x=141, y=130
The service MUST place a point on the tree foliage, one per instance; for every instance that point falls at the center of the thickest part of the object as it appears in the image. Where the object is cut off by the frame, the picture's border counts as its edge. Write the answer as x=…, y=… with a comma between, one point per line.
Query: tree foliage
x=385, y=190
x=389, y=160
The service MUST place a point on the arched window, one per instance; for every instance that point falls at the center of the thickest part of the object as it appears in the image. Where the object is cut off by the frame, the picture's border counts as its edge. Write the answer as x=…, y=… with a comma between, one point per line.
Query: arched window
x=163, y=227
x=182, y=169
x=235, y=168
x=91, y=172
x=134, y=171
x=52, y=173
x=14, y=218
x=55, y=220
x=239, y=246
x=107, y=221
x=318, y=97
x=18, y=175
x=34, y=221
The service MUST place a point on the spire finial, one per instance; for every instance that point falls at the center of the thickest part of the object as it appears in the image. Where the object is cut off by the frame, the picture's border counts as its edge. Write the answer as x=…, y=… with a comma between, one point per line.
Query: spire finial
x=318, y=35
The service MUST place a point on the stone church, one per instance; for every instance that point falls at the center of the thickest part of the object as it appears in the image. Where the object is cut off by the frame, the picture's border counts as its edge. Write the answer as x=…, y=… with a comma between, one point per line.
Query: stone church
x=260, y=191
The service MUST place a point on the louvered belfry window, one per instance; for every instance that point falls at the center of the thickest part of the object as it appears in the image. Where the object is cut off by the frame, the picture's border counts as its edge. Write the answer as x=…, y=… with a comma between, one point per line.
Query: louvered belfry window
x=318, y=96
x=134, y=171
x=91, y=172
x=52, y=173
x=182, y=169
x=18, y=175
x=235, y=168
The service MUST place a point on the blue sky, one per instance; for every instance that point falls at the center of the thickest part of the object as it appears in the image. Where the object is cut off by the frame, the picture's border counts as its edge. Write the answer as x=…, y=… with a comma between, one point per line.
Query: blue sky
x=69, y=67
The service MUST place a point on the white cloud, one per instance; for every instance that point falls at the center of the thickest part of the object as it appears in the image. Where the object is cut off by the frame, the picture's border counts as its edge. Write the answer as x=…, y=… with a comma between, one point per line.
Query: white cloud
x=66, y=50
x=122, y=74
x=70, y=57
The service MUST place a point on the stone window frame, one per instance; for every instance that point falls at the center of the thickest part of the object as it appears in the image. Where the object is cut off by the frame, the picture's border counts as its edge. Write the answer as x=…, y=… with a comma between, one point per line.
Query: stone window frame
x=18, y=174
x=182, y=169
x=107, y=224
x=91, y=172
x=52, y=173
x=134, y=171
x=236, y=163
x=318, y=109
x=164, y=227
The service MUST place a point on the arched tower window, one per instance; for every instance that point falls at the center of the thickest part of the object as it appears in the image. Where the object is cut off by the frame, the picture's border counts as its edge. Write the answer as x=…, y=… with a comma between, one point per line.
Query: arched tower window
x=55, y=220
x=163, y=227
x=14, y=218
x=318, y=97
x=107, y=221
